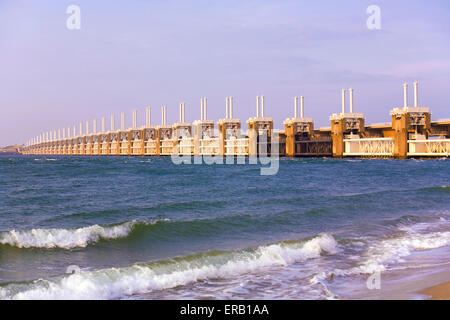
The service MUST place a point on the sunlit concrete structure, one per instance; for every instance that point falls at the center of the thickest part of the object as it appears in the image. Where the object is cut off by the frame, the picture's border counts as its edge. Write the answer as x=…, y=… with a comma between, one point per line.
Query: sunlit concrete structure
x=183, y=142
x=301, y=139
x=205, y=141
x=151, y=148
x=259, y=131
x=231, y=141
x=411, y=125
x=346, y=126
x=164, y=141
x=411, y=133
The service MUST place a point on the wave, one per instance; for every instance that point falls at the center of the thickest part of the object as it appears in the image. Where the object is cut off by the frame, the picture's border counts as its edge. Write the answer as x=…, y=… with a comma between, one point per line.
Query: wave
x=82, y=237
x=436, y=188
x=432, y=219
x=383, y=254
x=68, y=238
x=117, y=283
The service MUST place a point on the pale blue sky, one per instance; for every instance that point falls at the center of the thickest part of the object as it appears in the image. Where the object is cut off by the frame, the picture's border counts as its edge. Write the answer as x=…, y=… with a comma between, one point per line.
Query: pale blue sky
x=135, y=53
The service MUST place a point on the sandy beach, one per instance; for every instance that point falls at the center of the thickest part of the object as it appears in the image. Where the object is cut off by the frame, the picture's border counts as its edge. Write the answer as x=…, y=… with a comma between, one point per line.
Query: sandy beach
x=438, y=292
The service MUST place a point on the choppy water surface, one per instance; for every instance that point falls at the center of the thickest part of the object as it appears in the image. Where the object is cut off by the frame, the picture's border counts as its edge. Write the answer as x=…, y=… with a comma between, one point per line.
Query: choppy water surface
x=144, y=228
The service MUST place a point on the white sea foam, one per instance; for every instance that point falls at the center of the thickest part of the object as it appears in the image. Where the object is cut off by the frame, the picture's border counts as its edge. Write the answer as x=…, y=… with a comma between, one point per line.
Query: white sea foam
x=382, y=255
x=392, y=251
x=65, y=238
x=120, y=282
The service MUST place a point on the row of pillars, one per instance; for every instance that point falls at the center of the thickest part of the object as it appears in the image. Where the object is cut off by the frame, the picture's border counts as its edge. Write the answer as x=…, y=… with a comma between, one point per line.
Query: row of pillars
x=343, y=125
x=229, y=123
x=136, y=142
x=407, y=123
x=52, y=136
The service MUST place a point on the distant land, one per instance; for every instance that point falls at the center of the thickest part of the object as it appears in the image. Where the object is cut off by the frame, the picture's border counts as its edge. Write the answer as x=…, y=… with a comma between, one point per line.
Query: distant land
x=10, y=150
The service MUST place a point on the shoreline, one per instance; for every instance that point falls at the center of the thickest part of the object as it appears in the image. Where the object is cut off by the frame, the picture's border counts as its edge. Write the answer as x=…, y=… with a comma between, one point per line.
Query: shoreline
x=438, y=292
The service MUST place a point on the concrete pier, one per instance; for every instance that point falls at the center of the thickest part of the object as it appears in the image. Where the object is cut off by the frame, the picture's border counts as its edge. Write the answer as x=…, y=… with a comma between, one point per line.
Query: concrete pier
x=259, y=131
x=301, y=139
x=205, y=141
x=346, y=125
x=183, y=142
x=231, y=141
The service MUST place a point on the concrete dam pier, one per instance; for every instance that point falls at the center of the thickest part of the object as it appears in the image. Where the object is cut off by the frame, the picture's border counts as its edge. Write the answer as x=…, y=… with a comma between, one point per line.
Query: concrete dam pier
x=411, y=133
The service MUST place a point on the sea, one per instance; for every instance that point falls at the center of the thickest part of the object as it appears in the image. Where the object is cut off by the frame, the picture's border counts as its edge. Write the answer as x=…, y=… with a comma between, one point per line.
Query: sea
x=74, y=227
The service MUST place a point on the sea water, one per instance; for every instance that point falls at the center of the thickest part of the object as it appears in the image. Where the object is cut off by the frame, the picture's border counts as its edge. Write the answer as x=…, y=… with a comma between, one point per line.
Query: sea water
x=145, y=228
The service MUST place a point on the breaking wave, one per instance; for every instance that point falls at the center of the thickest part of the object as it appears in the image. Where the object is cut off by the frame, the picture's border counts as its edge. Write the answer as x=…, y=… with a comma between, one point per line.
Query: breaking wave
x=116, y=283
x=67, y=238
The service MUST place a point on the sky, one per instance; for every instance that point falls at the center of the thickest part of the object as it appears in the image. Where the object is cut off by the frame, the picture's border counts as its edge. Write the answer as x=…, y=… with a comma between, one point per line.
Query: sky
x=130, y=54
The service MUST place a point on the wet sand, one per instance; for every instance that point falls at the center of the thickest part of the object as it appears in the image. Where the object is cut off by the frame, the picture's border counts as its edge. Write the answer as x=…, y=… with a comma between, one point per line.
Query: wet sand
x=438, y=292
